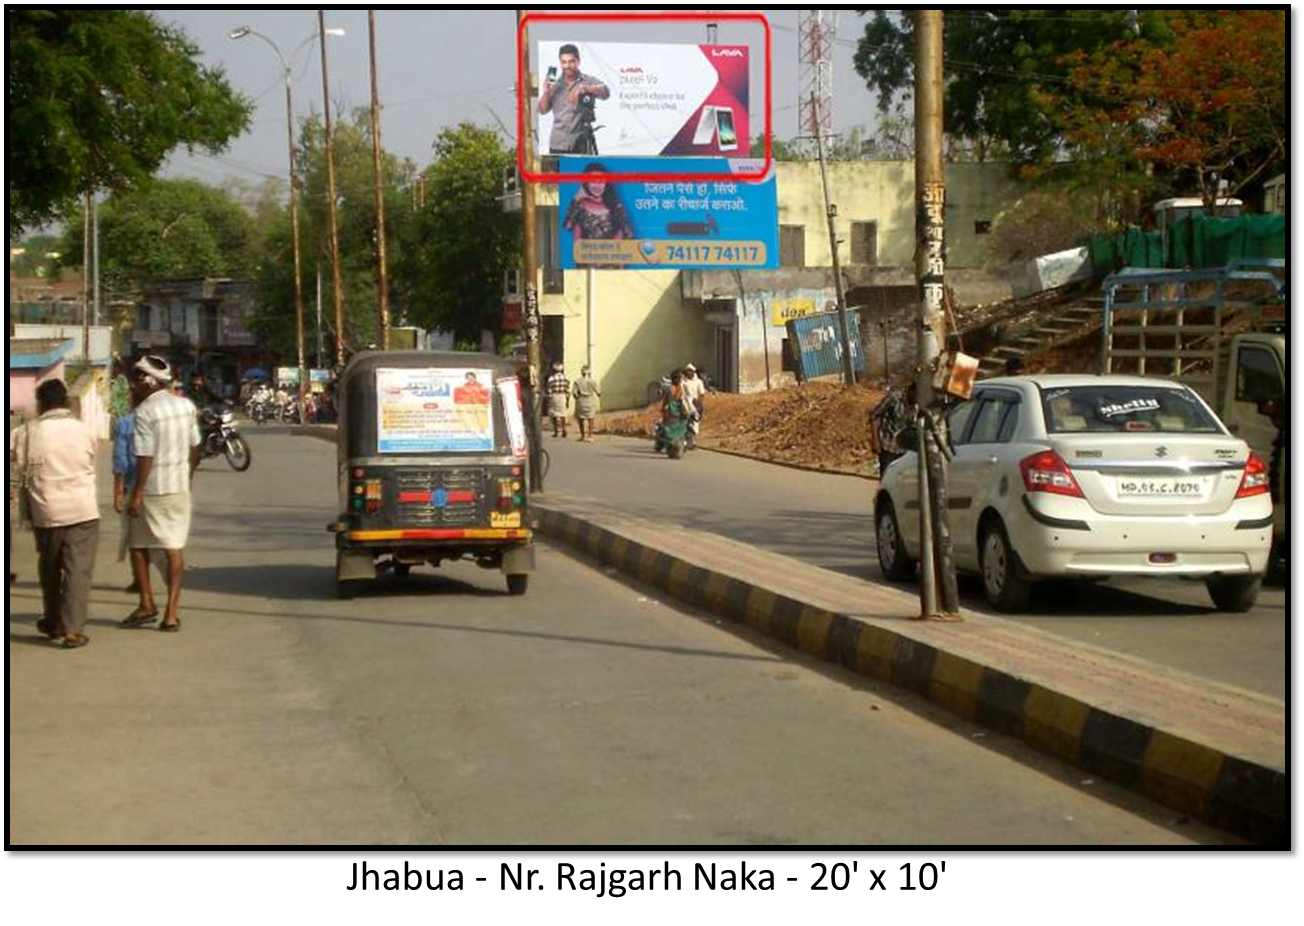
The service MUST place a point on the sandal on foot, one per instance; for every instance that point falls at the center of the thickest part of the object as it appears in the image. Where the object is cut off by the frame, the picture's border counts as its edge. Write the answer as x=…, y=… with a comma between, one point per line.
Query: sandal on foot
x=74, y=641
x=174, y=627
x=139, y=618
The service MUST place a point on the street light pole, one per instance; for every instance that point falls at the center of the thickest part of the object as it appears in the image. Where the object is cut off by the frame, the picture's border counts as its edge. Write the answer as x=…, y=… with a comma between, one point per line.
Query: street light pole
x=286, y=70
x=382, y=303
x=330, y=183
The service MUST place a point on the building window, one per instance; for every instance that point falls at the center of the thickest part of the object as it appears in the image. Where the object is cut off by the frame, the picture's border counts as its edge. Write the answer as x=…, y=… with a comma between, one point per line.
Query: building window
x=792, y=245
x=982, y=227
x=864, y=243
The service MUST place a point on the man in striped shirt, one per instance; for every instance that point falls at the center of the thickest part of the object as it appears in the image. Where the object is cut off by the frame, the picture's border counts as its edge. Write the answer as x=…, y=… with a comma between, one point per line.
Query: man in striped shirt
x=167, y=452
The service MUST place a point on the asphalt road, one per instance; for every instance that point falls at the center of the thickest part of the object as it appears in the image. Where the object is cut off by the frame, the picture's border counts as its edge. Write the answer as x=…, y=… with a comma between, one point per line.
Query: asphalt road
x=437, y=709
x=827, y=520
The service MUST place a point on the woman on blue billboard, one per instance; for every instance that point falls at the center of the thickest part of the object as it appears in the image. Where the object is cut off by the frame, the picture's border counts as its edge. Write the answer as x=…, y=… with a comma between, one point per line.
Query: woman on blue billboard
x=596, y=211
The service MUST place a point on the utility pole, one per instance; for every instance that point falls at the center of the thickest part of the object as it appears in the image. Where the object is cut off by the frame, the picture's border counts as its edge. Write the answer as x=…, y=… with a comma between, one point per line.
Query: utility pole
x=382, y=303
x=530, y=270
x=86, y=279
x=831, y=212
x=330, y=183
x=95, y=260
x=939, y=594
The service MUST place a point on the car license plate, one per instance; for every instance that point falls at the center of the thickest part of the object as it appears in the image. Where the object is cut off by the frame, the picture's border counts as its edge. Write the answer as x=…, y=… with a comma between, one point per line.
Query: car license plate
x=1160, y=488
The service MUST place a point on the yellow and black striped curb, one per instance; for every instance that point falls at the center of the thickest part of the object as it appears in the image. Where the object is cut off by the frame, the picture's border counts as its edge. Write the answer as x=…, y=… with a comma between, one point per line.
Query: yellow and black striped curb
x=1237, y=794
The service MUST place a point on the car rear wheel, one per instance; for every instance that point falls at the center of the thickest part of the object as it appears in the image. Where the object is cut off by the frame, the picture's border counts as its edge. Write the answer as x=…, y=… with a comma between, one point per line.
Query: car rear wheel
x=896, y=564
x=1234, y=593
x=1004, y=586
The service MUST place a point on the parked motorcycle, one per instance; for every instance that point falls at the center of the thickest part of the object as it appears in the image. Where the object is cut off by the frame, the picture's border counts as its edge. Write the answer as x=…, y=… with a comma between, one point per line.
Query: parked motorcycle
x=218, y=435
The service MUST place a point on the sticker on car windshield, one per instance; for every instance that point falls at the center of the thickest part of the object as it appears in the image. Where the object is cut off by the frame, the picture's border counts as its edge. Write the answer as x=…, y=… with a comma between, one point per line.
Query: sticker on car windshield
x=1133, y=407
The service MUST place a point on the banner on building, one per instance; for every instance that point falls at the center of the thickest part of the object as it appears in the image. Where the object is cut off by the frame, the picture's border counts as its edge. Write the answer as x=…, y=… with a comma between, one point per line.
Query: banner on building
x=785, y=309
x=627, y=99
x=702, y=224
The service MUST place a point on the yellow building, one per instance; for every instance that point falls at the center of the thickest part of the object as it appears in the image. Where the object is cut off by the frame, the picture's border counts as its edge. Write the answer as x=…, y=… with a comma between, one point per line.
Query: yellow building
x=633, y=326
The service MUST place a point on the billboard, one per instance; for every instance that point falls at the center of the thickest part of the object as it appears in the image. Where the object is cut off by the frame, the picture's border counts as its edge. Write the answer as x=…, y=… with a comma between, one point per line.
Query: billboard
x=635, y=99
x=720, y=223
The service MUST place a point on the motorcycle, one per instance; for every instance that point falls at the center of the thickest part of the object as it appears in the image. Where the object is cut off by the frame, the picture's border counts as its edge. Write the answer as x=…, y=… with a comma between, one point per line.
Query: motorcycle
x=218, y=435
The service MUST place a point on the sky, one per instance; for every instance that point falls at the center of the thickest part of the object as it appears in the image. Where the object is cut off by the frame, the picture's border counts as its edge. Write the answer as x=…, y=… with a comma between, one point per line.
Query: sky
x=437, y=68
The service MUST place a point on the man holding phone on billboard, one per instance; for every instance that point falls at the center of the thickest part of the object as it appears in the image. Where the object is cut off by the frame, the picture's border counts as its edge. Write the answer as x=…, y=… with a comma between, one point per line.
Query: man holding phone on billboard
x=571, y=102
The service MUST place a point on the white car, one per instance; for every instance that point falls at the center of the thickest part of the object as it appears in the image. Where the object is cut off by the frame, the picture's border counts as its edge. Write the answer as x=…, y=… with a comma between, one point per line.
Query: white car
x=1089, y=476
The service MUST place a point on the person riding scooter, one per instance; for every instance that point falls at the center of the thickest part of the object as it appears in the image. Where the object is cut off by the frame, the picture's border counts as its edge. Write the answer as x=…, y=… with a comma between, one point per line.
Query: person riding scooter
x=676, y=413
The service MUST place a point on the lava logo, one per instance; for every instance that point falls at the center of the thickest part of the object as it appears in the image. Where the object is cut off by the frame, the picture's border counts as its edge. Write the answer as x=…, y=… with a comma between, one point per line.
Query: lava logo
x=726, y=53
x=631, y=70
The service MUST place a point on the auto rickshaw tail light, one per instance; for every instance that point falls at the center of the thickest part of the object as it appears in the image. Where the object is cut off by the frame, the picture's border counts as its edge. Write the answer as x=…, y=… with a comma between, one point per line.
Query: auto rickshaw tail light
x=506, y=498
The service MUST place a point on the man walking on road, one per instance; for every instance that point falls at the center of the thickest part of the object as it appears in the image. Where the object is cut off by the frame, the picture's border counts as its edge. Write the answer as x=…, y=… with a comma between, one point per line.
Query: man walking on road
x=558, y=399
x=55, y=455
x=586, y=403
x=167, y=453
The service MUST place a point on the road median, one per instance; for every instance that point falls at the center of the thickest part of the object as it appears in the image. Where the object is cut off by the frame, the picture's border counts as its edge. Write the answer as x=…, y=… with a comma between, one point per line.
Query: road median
x=1209, y=750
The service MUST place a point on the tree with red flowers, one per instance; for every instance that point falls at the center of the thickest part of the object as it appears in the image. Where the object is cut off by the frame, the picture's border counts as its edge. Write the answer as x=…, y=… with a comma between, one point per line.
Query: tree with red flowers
x=1210, y=104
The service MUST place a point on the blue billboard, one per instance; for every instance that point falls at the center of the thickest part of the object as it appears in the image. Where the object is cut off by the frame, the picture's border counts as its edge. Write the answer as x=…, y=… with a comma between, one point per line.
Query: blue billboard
x=688, y=225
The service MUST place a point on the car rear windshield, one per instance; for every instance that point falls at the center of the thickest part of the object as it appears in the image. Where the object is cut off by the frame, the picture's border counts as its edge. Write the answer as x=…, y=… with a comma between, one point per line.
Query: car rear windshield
x=1106, y=409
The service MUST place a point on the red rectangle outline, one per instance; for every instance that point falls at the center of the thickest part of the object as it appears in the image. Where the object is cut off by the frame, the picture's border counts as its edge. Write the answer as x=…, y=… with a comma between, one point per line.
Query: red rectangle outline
x=523, y=98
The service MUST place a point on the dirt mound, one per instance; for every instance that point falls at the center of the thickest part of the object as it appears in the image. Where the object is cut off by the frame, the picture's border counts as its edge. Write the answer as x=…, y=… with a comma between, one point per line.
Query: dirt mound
x=821, y=425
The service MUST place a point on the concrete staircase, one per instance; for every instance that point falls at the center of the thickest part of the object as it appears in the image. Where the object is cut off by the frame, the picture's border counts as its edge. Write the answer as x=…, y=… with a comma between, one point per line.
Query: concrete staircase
x=1044, y=329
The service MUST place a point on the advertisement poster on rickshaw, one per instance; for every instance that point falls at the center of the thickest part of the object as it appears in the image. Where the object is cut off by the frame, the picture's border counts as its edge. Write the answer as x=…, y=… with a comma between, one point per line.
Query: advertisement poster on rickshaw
x=513, y=412
x=434, y=410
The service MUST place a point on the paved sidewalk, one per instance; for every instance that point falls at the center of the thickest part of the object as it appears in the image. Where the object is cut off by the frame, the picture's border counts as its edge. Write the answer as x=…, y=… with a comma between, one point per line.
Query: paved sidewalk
x=1208, y=749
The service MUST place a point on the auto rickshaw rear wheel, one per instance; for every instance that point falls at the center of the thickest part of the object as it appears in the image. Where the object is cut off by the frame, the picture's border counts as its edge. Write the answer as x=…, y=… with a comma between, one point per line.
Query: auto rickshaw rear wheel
x=517, y=584
x=346, y=589
x=402, y=569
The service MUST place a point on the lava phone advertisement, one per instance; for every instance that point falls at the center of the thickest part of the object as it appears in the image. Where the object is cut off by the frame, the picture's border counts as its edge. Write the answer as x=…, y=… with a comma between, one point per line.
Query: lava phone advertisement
x=434, y=410
x=625, y=99
x=708, y=224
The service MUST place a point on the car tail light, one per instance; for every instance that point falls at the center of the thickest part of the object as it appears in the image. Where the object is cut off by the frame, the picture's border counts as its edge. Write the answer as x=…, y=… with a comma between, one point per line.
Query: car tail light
x=1047, y=472
x=1255, y=480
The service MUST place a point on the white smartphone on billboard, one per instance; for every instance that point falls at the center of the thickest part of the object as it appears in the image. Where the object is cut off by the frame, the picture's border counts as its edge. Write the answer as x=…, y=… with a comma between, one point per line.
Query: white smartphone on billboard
x=705, y=127
x=725, y=123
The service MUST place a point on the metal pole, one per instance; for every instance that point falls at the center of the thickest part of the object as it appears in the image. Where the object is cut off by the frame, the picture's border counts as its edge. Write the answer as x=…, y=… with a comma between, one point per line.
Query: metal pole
x=831, y=211
x=938, y=568
x=95, y=257
x=86, y=279
x=319, y=344
x=590, y=281
x=330, y=183
x=294, y=236
x=382, y=303
x=530, y=267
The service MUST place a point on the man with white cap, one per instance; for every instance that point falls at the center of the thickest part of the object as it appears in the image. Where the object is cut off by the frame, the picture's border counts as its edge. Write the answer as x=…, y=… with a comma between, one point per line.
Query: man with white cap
x=167, y=453
x=694, y=392
x=558, y=388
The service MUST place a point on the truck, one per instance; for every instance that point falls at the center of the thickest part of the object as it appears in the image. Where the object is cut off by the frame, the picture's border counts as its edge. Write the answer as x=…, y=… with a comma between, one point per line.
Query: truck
x=1222, y=332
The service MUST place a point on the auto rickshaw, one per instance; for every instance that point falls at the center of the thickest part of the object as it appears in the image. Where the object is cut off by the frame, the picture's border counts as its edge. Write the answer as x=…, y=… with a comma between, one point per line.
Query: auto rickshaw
x=433, y=465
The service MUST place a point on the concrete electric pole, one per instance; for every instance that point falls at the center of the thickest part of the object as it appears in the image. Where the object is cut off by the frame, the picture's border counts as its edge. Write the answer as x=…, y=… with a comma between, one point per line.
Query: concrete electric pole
x=937, y=569
x=530, y=268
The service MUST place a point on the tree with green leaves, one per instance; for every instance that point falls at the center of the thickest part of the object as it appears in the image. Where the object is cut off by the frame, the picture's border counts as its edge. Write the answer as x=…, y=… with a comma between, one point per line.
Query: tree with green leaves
x=97, y=98
x=996, y=63
x=356, y=212
x=167, y=228
x=451, y=274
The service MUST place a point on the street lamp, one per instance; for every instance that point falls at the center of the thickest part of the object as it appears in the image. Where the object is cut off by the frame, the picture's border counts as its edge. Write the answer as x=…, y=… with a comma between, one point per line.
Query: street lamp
x=240, y=33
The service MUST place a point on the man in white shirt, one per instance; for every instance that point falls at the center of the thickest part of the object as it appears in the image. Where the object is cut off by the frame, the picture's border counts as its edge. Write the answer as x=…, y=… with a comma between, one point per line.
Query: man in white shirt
x=167, y=452
x=695, y=393
x=55, y=457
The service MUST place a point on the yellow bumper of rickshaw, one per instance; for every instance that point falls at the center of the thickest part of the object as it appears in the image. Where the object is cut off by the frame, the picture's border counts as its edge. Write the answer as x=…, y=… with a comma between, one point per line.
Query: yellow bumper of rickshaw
x=470, y=533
